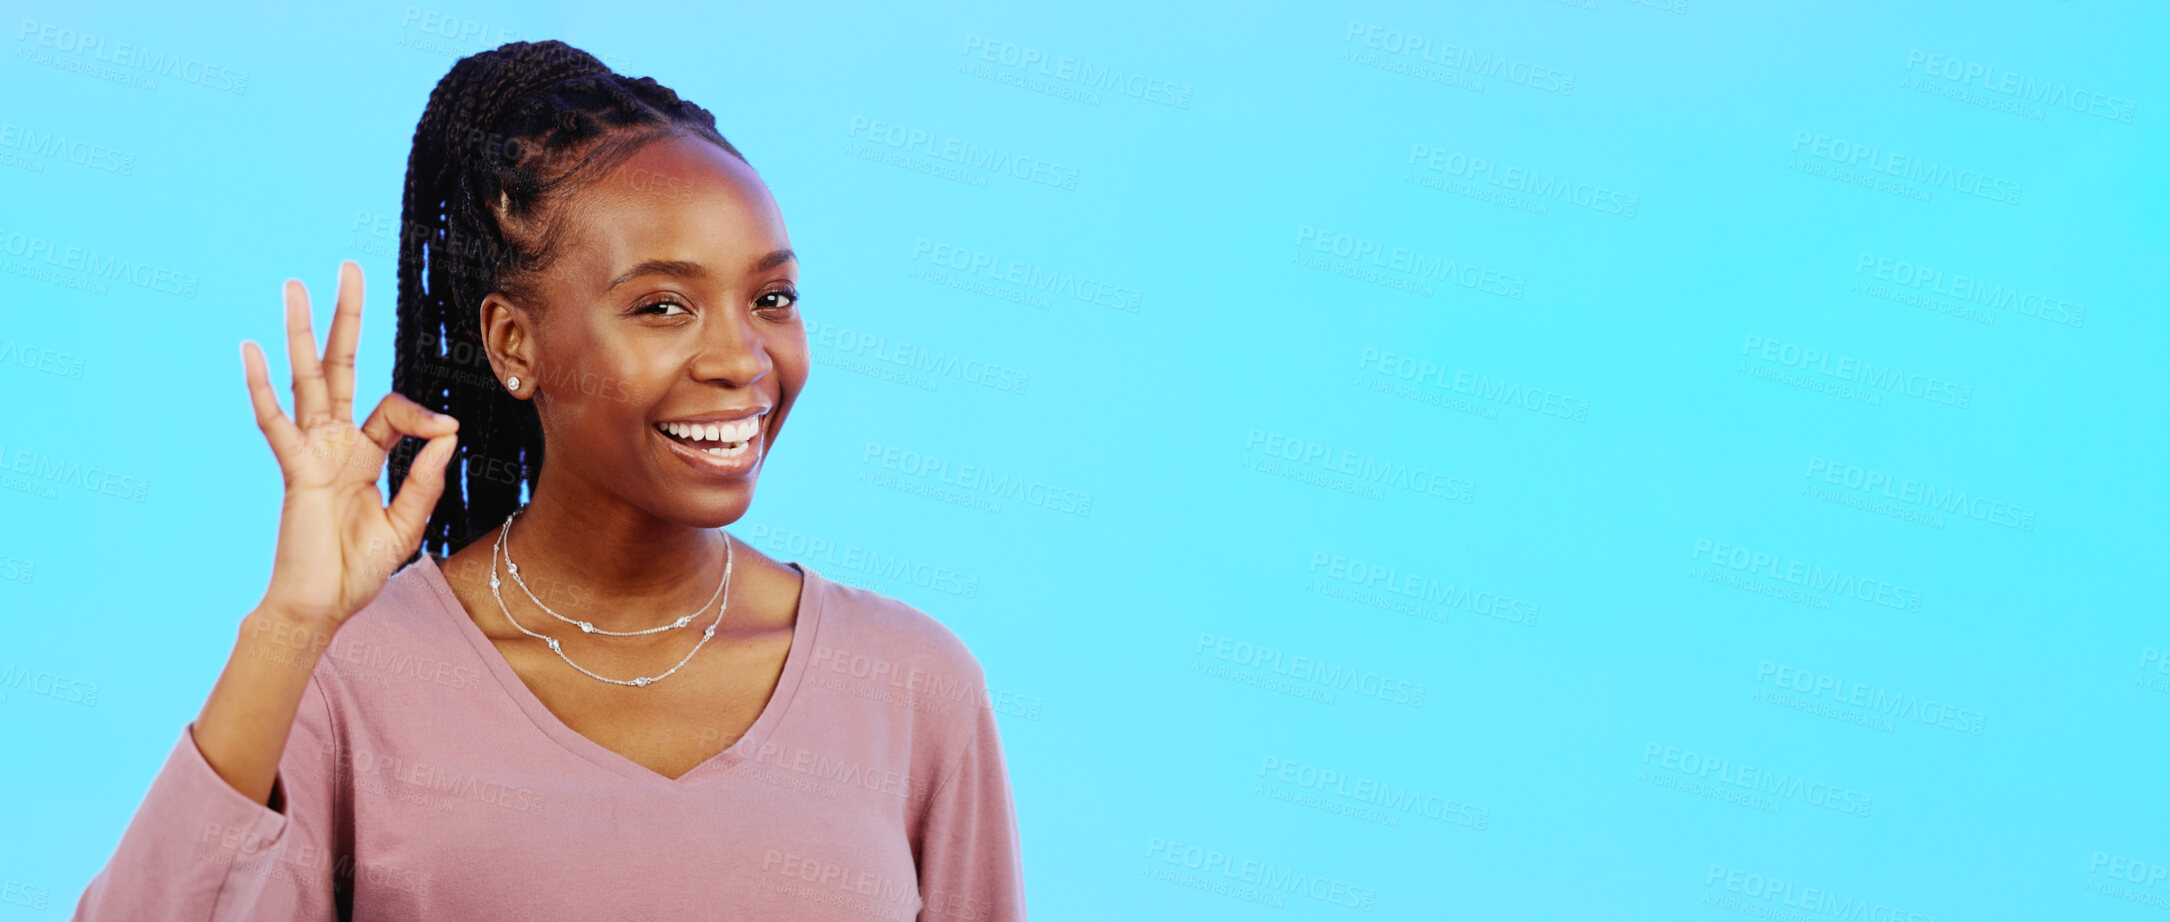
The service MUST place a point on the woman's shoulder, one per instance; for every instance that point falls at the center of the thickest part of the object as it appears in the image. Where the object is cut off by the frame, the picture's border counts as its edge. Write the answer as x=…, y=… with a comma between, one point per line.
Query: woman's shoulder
x=863, y=631
x=403, y=632
x=413, y=597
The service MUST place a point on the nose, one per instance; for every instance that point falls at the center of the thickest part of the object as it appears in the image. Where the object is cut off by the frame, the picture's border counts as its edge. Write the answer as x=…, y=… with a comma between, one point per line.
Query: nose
x=732, y=351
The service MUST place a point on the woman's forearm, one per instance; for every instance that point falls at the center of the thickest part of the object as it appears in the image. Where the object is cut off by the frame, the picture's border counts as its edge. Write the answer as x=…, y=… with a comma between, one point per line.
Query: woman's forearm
x=243, y=728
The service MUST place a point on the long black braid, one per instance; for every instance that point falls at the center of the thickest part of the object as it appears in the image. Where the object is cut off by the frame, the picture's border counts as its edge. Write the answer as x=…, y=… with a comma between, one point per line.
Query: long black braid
x=505, y=133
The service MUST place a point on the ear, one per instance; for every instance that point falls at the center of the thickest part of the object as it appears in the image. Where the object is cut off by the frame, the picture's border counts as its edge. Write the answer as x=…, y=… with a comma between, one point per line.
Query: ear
x=508, y=335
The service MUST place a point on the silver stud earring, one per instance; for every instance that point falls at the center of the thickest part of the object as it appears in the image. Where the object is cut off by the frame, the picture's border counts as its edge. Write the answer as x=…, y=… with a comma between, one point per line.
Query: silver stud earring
x=513, y=383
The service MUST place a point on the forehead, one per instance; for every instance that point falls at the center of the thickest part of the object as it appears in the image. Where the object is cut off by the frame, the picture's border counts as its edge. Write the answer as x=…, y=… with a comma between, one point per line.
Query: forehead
x=676, y=198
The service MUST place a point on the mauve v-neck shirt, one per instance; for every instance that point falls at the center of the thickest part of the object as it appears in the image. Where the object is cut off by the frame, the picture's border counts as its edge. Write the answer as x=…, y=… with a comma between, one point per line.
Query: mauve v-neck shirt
x=424, y=780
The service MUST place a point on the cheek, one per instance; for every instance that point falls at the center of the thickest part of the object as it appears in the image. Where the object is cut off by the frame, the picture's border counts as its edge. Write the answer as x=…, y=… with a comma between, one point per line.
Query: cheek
x=793, y=363
x=598, y=390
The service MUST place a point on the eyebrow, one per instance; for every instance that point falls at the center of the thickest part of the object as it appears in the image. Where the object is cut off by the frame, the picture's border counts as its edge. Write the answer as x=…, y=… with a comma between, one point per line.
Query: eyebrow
x=685, y=269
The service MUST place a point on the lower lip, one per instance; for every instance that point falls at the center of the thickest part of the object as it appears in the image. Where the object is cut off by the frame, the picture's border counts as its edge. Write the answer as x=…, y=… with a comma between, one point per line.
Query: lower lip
x=707, y=463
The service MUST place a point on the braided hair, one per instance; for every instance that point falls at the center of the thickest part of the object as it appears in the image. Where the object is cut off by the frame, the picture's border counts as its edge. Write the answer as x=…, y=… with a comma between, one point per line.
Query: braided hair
x=506, y=133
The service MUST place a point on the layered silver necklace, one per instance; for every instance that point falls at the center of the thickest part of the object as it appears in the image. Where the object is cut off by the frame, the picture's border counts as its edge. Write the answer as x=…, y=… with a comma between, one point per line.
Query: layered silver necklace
x=502, y=548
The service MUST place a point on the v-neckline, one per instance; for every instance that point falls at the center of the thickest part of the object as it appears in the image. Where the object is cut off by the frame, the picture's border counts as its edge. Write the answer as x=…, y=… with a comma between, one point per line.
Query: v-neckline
x=803, y=627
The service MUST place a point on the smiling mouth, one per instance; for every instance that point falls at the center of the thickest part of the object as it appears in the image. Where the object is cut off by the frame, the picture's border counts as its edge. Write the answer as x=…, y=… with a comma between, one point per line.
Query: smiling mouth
x=724, y=441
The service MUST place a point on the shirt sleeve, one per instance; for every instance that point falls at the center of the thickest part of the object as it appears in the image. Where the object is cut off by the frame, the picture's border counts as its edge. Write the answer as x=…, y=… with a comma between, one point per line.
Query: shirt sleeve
x=197, y=850
x=970, y=869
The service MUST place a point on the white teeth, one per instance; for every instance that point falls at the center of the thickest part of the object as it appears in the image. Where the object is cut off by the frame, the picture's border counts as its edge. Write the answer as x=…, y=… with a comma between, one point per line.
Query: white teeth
x=731, y=432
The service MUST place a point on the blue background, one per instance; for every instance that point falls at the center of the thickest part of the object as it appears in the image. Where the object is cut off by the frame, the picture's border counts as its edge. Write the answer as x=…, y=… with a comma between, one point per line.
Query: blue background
x=1597, y=617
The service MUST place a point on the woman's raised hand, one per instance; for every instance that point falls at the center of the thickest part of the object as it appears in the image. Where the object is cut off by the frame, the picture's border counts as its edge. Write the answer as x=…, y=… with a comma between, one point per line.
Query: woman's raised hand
x=338, y=541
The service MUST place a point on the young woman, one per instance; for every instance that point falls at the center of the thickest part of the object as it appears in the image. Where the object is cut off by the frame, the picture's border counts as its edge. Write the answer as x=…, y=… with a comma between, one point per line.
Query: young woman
x=599, y=704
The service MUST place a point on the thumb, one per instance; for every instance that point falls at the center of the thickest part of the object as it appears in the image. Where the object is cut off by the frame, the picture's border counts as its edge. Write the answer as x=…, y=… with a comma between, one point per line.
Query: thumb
x=410, y=509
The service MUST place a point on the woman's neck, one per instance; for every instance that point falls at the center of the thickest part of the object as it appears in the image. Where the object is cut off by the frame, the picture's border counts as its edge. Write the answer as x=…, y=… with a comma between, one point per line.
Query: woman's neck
x=602, y=561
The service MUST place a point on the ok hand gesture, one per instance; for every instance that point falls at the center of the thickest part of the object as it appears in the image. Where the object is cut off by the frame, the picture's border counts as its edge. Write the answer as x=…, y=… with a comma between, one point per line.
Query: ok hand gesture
x=338, y=541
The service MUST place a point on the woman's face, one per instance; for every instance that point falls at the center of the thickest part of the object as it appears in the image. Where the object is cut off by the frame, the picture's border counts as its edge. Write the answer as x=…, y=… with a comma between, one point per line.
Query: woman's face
x=672, y=304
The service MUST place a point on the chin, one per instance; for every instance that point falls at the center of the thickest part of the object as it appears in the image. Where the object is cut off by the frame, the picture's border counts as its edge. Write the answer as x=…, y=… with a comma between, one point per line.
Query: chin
x=718, y=507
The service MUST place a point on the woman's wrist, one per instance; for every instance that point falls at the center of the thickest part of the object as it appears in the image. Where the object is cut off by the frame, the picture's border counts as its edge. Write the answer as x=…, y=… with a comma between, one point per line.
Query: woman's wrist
x=271, y=633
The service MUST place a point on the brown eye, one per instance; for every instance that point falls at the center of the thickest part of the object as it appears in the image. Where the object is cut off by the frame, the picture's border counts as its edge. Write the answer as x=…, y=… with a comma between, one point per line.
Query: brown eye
x=657, y=304
x=780, y=298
